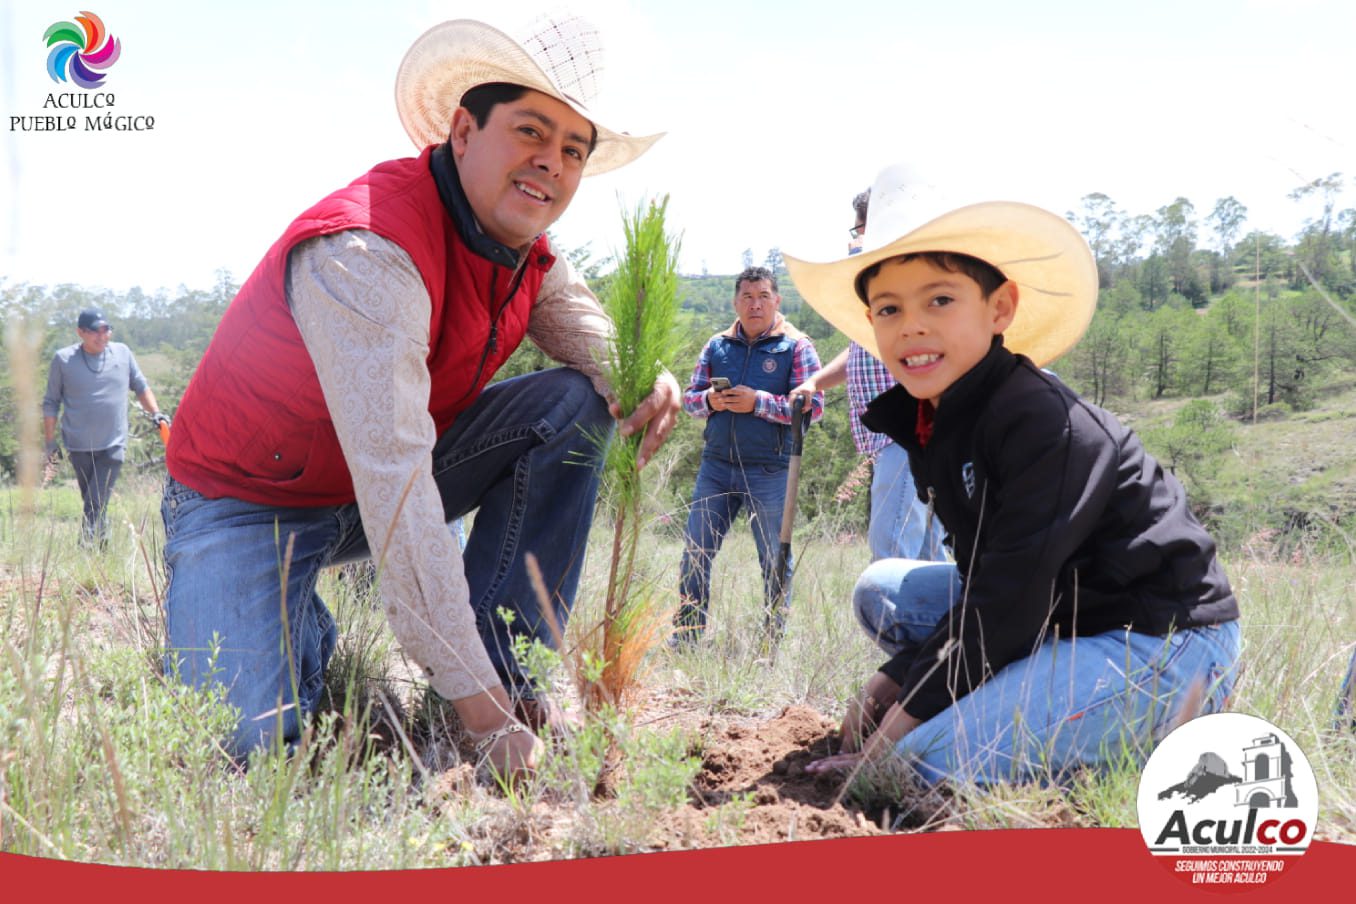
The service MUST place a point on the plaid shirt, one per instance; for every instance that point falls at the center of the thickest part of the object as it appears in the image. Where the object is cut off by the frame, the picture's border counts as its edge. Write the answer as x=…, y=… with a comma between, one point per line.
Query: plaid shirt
x=767, y=405
x=866, y=379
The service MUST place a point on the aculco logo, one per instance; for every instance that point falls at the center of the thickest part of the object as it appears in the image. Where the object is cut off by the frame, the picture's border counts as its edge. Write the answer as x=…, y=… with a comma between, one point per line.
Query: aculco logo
x=1233, y=831
x=1228, y=800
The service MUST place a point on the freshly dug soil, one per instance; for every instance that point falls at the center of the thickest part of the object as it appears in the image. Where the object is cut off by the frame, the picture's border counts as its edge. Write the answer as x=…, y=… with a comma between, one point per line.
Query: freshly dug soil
x=753, y=787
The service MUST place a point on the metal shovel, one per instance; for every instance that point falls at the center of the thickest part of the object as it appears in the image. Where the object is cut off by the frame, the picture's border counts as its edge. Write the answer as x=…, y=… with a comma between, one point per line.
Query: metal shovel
x=775, y=617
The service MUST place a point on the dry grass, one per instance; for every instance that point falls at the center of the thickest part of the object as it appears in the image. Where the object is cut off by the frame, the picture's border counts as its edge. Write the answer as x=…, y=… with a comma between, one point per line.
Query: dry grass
x=101, y=761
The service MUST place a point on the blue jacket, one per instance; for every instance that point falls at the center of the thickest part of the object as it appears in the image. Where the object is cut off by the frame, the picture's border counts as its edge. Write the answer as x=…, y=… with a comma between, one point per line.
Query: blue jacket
x=764, y=364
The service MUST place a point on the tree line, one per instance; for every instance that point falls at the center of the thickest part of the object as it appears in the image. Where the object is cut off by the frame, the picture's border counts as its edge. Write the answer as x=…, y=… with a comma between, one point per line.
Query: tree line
x=1248, y=315
x=1192, y=306
x=1162, y=254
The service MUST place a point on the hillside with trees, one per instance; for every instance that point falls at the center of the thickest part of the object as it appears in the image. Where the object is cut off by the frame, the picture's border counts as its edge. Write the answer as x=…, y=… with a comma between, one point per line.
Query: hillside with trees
x=1204, y=330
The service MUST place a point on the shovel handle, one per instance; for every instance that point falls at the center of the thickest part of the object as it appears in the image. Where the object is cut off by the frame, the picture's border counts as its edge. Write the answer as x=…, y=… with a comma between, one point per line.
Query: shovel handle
x=797, y=425
x=793, y=473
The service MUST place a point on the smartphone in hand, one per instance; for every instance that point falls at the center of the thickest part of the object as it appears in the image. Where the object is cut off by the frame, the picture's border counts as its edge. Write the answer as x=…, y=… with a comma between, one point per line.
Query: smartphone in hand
x=720, y=384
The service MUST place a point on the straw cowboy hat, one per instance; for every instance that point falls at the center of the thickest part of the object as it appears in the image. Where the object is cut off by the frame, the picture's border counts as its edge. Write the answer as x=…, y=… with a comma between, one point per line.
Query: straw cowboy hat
x=561, y=56
x=1041, y=252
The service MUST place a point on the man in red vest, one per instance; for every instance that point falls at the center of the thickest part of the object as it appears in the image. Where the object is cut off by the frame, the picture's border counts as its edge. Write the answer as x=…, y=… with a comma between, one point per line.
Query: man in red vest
x=343, y=409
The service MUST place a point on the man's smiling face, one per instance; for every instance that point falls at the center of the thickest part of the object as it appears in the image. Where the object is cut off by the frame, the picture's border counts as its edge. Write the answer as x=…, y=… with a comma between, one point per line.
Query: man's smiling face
x=520, y=171
x=96, y=340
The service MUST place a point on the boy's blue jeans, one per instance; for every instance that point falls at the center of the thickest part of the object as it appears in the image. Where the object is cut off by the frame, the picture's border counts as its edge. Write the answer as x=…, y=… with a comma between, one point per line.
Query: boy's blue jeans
x=1077, y=702
x=722, y=489
x=899, y=526
x=244, y=614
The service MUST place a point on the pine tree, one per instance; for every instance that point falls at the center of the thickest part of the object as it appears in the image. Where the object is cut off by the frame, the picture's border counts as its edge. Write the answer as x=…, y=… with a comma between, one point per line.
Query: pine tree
x=641, y=297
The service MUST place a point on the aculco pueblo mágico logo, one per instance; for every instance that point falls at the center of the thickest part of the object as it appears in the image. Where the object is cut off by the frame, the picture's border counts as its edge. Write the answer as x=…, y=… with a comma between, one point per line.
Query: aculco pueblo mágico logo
x=81, y=50
x=80, y=53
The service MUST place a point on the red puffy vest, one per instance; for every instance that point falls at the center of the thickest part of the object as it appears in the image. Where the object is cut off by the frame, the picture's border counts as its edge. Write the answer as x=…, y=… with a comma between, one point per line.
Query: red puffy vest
x=253, y=423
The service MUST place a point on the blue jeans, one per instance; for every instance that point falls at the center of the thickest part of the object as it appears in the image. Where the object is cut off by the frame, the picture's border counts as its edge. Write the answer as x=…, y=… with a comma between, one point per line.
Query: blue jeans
x=899, y=520
x=242, y=609
x=1074, y=702
x=1346, y=698
x=722, y=489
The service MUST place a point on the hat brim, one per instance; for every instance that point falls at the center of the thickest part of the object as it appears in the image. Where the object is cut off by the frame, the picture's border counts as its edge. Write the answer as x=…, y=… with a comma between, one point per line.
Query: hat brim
x=451, y=58
x=1041, y=252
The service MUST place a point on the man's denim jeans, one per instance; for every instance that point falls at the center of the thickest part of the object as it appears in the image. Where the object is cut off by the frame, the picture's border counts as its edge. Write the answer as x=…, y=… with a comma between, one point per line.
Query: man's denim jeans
x=241, y=606
x=1076, y=702
x=722, y=489
x=95, y=474
x=1346, y=697
x=899, y=520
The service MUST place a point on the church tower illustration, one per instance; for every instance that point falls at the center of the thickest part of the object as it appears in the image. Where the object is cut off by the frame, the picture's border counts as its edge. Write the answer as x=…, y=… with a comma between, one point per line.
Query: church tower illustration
x=1266, y=775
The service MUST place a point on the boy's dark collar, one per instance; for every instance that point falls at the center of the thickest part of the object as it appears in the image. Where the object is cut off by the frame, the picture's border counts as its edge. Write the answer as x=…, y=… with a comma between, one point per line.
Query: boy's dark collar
x=443, y=166
x=895, y=412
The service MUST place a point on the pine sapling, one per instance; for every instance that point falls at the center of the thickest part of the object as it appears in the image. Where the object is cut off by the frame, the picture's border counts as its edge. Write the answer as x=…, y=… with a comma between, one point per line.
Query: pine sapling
x=641, y=297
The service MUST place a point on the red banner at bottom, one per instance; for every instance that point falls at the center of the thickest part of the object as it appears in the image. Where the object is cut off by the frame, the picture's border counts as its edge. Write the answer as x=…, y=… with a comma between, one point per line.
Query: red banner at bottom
x=1051, y=864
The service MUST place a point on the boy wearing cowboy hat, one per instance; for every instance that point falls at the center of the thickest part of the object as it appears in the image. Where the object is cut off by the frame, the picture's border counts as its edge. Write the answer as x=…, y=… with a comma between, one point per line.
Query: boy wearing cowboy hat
x=342, y=410
x=1086, y=610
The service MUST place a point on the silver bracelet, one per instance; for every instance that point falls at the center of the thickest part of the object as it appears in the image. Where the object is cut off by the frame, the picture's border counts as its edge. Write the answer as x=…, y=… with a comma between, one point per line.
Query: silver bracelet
x=484, y=744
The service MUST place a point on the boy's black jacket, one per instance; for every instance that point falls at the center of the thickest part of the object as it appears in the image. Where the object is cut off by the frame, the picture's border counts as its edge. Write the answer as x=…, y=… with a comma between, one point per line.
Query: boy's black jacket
x=1060, y=522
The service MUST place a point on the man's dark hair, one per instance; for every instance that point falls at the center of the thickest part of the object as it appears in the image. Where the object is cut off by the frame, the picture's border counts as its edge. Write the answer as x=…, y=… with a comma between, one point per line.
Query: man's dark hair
x=987, y=275
x=481, y=99
x=754, y=274
x=860, y=204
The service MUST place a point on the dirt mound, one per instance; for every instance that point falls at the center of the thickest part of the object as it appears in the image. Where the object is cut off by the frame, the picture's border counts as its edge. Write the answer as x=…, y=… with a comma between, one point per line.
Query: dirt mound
x=753, y=787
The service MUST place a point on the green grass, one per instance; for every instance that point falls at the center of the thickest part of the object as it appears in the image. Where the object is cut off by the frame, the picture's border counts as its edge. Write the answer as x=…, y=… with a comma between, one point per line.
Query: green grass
x=1287, y=484
x=101, y=760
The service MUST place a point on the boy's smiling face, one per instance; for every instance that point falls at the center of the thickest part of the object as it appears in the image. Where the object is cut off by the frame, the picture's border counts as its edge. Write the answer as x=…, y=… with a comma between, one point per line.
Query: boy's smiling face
x=933, y=325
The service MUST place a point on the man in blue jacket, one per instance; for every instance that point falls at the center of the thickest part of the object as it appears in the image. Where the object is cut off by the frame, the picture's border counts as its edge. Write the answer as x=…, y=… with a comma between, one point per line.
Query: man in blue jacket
x=741, y=386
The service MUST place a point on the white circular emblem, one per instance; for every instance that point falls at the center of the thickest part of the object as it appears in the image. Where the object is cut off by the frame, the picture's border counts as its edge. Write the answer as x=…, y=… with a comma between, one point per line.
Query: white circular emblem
x=1228, y=801
x=769, y=365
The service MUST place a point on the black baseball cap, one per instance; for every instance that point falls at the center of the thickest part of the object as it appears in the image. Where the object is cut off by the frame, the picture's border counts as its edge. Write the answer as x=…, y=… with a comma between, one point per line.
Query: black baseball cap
x=92, y=319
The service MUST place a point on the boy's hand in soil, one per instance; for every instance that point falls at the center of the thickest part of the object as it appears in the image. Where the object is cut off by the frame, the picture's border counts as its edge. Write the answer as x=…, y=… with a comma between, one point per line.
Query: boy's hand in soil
x=895, y=725
x=839, y=762
x=865, y=710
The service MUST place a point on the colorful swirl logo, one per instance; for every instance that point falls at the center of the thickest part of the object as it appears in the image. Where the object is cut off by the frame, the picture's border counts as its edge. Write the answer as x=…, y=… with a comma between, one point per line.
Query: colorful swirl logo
x=81, y=52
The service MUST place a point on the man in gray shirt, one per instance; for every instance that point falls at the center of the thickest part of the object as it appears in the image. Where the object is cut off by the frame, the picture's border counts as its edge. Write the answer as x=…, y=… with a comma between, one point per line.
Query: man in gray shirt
x=91, y=380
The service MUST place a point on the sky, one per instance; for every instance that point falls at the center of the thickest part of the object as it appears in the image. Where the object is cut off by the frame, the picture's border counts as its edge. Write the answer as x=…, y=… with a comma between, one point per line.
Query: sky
x=775, y=117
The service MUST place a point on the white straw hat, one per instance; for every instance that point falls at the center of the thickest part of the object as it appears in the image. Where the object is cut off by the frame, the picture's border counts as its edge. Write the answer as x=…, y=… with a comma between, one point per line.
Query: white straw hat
x=561, y=56
x=1041, y=252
